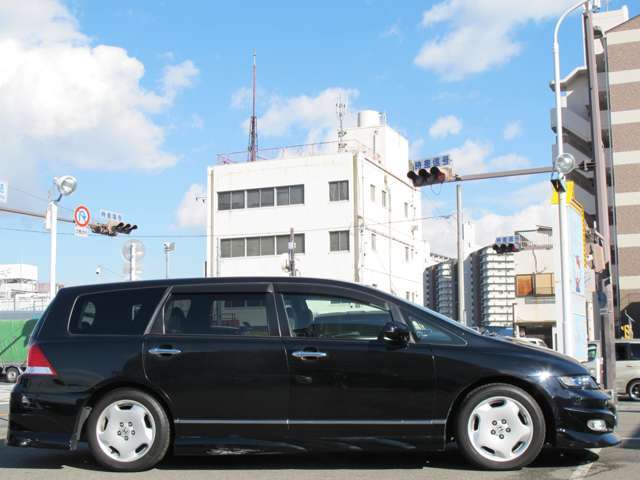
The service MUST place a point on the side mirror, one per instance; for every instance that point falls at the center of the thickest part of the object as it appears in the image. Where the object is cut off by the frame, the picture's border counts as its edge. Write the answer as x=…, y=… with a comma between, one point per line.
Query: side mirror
x=395, y=334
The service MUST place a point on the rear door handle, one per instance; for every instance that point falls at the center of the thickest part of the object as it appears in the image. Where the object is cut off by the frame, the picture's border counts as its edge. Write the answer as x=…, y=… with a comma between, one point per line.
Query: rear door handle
x=302, y=355
x=169, y=352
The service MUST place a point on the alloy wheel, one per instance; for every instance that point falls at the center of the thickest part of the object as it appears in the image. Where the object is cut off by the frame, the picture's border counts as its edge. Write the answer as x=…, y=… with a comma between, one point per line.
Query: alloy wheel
x=500, y=429
x=634, y=391
x=125, y=430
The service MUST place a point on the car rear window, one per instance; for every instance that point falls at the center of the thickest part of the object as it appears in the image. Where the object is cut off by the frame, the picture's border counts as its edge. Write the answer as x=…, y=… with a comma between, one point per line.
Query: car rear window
x=119, y=312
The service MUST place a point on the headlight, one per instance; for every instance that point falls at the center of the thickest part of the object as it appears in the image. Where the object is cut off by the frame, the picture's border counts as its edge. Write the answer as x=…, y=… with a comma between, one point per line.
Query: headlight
x=579, y=381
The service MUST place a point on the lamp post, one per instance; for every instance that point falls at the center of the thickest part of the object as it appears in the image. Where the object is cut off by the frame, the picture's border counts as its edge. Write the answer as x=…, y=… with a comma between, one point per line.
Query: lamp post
x=65, y=185
x=168, y=247
x=563, y=164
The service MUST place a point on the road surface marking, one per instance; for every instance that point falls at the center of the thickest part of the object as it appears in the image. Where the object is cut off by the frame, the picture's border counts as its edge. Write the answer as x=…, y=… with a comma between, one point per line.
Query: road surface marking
x=583, y=470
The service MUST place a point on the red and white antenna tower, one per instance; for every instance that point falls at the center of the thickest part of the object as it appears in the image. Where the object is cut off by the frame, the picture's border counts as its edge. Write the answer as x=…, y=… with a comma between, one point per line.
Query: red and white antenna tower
x=253, y=129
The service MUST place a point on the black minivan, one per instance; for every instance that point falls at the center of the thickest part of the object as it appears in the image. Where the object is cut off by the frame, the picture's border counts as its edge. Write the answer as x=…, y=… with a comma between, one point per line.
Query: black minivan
x=288, y=365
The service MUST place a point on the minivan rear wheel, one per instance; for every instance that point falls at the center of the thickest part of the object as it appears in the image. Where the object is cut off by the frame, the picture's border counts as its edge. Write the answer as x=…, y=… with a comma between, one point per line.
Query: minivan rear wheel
x=634, y=390
x=500, y=427
x=128, y=431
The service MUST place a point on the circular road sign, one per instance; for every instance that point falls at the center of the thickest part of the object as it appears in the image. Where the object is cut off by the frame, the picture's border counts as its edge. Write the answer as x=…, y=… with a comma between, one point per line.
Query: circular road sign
x=81, y=216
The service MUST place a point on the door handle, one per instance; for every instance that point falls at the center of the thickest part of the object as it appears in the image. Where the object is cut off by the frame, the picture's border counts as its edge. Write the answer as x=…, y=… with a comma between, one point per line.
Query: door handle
x=302, y=355
x=169, y=352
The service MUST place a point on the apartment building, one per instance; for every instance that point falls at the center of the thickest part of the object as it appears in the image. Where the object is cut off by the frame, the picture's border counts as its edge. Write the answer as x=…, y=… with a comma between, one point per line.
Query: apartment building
x=354, y=213
x=618, y=64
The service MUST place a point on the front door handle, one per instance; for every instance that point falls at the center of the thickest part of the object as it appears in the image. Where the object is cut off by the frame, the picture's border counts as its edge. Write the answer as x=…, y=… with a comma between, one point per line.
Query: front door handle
x=164, y=352
x=303, y=355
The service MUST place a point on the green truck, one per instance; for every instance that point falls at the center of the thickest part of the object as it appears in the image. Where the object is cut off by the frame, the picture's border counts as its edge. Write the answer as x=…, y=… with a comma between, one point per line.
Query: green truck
x=14, y=337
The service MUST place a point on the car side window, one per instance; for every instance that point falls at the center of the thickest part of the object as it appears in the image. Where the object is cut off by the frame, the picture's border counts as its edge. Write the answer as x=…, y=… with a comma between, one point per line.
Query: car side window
x=635, y=351
x=334, y=317
x=622, y=352
x=428, y=331
x=245, y=314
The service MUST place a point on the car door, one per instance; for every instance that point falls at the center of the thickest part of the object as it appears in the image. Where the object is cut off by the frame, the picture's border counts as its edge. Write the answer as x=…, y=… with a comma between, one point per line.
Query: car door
x=216, y=354
x=350, y=388
x=624, y=366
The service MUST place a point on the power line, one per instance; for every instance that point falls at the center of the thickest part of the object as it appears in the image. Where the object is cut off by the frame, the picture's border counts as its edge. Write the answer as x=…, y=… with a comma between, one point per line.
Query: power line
x=204, y=235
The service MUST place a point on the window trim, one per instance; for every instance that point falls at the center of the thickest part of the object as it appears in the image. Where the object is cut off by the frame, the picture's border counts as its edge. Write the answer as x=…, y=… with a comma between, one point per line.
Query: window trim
x=340, y=250
x=339, y=184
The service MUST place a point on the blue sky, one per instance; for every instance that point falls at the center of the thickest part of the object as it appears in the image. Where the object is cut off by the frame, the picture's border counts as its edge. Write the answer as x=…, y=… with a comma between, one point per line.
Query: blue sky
x=136, y=98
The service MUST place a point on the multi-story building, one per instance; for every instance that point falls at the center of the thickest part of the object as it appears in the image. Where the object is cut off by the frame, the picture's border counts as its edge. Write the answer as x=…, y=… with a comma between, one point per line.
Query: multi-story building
x=618, y=65
x=19, y=289
x=354, y=213
x=440, y=280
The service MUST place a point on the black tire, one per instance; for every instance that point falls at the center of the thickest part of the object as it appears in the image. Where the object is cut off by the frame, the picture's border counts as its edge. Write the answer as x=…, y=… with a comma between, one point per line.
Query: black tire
x=11, y=374
x=475, y=398
x=155, y=452
x=633, y=390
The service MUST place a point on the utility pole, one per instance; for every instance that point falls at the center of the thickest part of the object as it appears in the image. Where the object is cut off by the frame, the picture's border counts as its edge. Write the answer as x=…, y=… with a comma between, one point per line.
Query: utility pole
x=168, y=248
x=461, y=316
x=253, y=129
x=132, y=261
x=607, y=320
x=292, y=254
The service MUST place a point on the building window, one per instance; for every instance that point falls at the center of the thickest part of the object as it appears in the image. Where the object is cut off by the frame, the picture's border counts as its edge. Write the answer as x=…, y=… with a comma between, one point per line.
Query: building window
x=266, y=197
x=253, y=198
x=259, y=246
x=339, y=241
x=282, y=243
x=224, y=201
x=291, y=195
x=237, y=200
x=232, y=247
x=338, y=191
x=406, y=210
x=535, y=285
x=373, y=241
x=372, y=189
x=384, y=198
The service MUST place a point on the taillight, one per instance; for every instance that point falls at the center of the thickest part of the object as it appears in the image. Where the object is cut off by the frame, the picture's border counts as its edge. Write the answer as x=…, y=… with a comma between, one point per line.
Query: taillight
x=37, y=363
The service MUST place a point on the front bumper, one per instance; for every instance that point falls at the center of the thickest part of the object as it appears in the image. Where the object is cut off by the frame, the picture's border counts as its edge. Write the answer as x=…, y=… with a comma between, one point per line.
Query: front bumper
x=574, y=408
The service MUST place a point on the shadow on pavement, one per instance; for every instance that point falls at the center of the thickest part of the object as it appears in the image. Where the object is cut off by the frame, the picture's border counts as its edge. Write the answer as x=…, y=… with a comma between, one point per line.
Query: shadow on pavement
x=19, y=458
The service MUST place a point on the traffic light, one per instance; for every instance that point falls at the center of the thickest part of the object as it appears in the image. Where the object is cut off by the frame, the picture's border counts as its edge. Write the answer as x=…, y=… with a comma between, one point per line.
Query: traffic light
x=510, y=244
x=112, y=228
x=431, y=171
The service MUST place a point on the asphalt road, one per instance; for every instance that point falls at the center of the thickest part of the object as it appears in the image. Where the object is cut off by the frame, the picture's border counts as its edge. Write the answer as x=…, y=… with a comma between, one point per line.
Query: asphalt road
x=619, y=463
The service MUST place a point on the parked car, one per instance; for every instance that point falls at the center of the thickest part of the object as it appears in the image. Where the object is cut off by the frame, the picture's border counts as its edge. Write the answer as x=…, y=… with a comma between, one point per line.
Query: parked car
x=288, y=365
x=627, y=366
x=538, y=342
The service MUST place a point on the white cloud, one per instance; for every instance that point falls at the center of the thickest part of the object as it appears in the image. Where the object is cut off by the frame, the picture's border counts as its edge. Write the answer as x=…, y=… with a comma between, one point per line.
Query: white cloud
x=241, y=98
x=197, y=121
x=316, y=115
x=445, y=126
x=480, y=34
x=509, y=161
x=491, y=225
x=470, y=157
x=512, y=130
x=392, y=31
x=65, y=101
x=191, y=212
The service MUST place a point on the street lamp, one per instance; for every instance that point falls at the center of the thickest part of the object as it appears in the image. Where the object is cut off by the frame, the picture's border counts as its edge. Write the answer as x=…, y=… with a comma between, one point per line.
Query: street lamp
x=168, y=247
x=563, y=164
x=65, y=186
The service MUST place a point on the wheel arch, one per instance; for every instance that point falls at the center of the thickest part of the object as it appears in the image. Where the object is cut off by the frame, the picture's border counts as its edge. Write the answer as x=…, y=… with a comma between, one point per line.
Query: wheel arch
x=530, y=388
x=105, y=389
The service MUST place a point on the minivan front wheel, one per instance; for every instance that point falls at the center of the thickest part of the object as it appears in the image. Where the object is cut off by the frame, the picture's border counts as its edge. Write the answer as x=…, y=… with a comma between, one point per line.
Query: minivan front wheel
x=128, y=430
x=500, y=427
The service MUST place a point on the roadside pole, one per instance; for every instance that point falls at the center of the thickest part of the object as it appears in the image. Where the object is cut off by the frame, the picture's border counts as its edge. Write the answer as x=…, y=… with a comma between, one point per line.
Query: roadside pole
x=461, y=316
x=607, y=318
x=292, y=254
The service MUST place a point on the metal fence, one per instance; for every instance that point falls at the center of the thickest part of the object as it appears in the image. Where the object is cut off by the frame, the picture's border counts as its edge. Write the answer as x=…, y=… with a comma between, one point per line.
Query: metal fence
x=37, y=304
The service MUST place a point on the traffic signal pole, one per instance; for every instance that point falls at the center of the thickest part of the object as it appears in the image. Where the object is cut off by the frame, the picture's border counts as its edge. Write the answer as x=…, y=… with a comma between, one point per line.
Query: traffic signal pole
x=461, y=316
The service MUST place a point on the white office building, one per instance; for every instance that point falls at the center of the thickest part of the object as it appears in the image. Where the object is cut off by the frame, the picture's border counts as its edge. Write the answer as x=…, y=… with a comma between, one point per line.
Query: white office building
x=354, y=212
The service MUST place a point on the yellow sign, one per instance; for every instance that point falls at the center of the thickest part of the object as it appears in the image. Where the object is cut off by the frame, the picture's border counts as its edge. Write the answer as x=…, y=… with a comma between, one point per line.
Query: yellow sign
x=569, y=197
x=627, y=332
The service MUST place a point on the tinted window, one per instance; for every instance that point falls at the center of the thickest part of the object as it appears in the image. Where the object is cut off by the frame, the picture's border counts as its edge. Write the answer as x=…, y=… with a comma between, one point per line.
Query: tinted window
x=224, y=200
x=217, y=314
x=339, y=241
x=635, y=351
x=592, y=352
x=622, y=351
x=283, y=195
x=253, y=198
x=428, y=331
x=297, y=194
x=338, y=191
x=237, y=199
x=282, y=243
x=122, y=312
x=337, y=318
x=266, y=197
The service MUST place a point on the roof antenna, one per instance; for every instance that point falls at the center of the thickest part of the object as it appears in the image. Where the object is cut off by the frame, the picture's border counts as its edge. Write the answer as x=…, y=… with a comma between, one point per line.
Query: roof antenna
x=253, y=129
x=340, y=109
